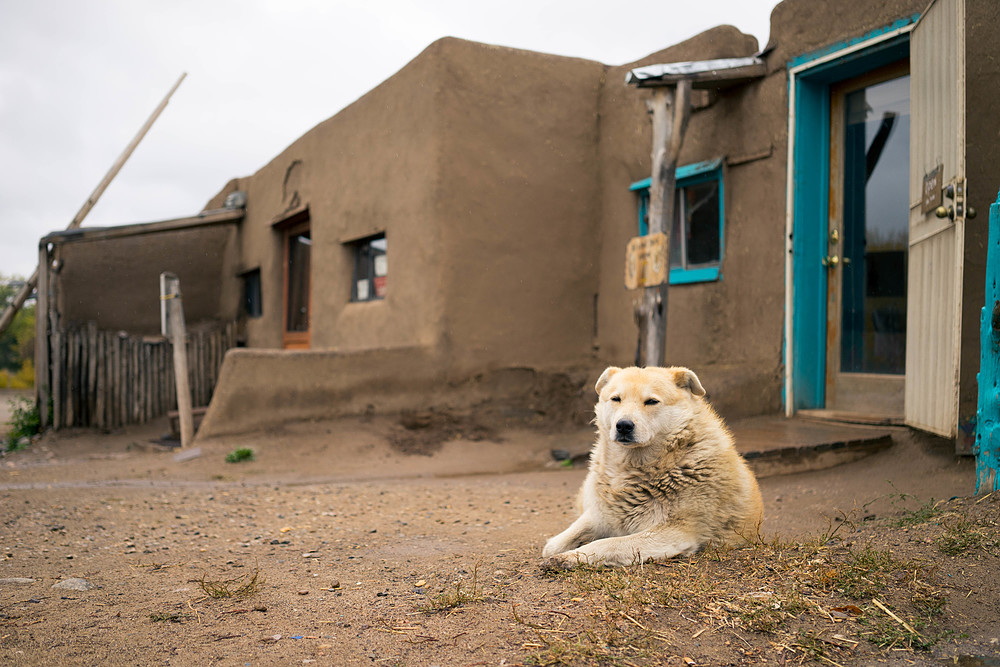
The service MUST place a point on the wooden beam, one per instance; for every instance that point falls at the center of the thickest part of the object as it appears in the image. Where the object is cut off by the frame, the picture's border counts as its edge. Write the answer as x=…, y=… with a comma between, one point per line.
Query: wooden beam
x=206, y=219
x=670, y=109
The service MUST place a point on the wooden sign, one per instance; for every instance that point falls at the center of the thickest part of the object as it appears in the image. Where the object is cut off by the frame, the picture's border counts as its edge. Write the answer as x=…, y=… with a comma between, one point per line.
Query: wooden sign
x=646, y=262
x=930, y=198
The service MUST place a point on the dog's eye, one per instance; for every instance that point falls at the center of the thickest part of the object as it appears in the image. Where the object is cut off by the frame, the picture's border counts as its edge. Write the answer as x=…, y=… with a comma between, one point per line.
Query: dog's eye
x=650, y=401
x=616, y=399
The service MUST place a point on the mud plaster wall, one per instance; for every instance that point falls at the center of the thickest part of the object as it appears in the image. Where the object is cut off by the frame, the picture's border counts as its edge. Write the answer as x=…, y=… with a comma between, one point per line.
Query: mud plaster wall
x=128, y=270
x=518, y=203
x=369, y=169
x=982, y=136
x=479, y=164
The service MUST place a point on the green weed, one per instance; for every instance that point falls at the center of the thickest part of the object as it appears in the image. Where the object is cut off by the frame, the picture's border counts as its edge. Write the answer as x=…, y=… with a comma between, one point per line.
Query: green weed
x=240, y=455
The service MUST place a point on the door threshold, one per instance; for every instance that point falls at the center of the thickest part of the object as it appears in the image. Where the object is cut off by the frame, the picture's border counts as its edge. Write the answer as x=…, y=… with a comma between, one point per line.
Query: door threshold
x=851, y=417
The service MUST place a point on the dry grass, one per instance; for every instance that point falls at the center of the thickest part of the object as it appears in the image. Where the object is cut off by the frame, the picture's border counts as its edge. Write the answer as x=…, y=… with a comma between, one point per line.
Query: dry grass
x=241, y=587
x=817, y=600
x=456, y=597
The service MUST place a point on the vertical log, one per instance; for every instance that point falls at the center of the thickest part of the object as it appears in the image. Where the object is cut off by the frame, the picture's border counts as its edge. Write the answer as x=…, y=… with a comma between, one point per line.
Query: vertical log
x=670, y=111
x=170, y=292
x=42, y=371
x=91, y=374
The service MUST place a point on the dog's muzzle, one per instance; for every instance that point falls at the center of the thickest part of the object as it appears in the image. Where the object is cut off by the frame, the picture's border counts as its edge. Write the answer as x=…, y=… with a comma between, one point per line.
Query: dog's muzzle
x=624, y=431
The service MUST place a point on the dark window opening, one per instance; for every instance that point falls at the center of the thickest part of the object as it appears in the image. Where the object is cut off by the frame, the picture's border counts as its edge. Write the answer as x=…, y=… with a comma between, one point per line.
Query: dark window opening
x=370, y=269
x=252, y=305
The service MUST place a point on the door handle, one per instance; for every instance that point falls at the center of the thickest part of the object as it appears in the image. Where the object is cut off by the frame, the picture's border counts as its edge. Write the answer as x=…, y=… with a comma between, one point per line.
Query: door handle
x=831, y=261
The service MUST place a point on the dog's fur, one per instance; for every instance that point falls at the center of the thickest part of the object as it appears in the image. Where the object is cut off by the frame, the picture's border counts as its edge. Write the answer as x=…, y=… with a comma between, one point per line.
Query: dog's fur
x=667, y=485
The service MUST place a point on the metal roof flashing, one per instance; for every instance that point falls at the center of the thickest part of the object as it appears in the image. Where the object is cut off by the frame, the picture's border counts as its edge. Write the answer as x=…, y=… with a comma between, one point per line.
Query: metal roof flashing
x=719, y=73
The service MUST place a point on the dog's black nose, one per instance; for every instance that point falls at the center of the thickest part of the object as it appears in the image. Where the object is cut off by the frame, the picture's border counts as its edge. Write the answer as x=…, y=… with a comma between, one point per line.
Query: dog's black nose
x=625, y=426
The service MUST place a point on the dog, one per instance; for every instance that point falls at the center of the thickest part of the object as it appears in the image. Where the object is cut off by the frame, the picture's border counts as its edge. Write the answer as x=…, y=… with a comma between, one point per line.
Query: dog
x=664, y=480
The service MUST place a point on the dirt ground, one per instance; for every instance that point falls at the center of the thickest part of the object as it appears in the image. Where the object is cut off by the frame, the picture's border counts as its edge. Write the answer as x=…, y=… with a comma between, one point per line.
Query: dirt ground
x=334, y=546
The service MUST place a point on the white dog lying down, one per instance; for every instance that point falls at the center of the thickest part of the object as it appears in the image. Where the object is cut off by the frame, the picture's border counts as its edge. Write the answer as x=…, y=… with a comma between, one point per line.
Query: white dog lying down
x=664, y=476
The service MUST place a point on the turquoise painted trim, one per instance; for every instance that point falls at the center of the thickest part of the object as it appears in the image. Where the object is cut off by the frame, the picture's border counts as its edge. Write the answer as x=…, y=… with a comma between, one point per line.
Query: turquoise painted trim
x=811, y=204
x=681, y=276
x=987, y=447
x=683, y=172
x=840, y=46
x=688, y=175
x=810, y=199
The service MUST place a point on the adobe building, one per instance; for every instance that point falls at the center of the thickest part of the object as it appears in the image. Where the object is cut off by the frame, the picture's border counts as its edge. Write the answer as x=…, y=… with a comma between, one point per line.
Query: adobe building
x=457, y=236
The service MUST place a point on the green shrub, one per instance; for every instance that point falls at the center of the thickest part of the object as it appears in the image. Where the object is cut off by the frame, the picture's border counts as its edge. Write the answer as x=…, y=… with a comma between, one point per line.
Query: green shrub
x=24, y=423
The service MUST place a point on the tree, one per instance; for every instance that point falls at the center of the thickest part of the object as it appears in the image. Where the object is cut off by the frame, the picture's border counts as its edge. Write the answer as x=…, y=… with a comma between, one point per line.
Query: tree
x=17, y=343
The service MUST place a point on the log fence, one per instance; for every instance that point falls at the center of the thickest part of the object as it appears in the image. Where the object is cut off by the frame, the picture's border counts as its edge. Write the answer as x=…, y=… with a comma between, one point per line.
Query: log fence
x=108, y=379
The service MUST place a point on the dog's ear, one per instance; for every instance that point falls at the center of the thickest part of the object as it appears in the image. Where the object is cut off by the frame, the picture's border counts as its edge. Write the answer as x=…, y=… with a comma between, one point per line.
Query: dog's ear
x=605, y=377
x=686, y=379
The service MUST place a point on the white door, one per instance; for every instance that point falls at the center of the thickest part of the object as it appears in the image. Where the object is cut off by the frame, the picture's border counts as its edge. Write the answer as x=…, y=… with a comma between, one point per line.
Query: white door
x=934, y=286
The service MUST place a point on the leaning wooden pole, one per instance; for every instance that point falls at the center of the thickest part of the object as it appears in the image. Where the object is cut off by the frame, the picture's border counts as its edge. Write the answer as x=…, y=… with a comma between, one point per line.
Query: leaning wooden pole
x=670, y=110
x=32, y=282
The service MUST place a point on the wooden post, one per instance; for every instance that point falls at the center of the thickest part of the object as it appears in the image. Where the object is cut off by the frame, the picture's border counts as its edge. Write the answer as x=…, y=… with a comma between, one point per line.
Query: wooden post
x=173, y=327
x=42, y=377
x=670, y=110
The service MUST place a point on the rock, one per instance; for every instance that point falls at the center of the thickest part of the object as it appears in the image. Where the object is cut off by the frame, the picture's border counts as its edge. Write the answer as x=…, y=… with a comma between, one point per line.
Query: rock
x=187, y=454
x=74, y=584
x=16, y=580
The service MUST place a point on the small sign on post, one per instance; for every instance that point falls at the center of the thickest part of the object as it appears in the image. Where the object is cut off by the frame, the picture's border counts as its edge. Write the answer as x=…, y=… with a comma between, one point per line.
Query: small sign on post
x=172, y=326
x=646, y=262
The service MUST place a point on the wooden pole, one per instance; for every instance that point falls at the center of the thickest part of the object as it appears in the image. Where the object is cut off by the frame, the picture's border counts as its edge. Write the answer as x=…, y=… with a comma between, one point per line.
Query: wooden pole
x=29, y=285
x=670, y=109
x=173, y=327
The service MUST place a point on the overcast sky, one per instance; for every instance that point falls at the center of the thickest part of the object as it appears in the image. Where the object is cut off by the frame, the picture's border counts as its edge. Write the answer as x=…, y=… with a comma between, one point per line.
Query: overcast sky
x=78, y=78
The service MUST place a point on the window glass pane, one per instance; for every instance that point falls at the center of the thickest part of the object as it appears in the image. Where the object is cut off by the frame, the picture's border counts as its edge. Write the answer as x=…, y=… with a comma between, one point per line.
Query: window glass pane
x=297, y=318
x=370, y=269
x=876, y=228
x=701, y=212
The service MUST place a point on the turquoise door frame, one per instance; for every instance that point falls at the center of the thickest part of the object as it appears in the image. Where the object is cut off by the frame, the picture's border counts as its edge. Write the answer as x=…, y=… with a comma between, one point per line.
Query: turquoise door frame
x=809, y=80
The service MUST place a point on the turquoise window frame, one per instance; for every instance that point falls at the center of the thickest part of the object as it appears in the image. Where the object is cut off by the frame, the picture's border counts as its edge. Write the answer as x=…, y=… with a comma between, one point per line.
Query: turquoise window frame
x=810, y=78
x=686, y=176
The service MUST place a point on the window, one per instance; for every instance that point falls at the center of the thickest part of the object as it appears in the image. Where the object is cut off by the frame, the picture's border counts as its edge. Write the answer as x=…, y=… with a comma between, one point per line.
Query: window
x=370, y=269
x=696, y=240
x=251, y=293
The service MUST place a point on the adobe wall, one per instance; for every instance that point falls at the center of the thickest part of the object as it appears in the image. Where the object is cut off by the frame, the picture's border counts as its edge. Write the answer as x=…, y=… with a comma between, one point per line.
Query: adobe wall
x=518, y=201
x=369, y=169
x=127, y=270
x=982, y=98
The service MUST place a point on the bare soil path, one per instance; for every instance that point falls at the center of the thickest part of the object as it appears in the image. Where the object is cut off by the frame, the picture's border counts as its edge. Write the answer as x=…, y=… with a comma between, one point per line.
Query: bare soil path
x=334, y=547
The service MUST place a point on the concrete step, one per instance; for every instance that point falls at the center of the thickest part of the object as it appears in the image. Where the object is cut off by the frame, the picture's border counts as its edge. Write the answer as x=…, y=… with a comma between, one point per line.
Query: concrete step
x=776, y=445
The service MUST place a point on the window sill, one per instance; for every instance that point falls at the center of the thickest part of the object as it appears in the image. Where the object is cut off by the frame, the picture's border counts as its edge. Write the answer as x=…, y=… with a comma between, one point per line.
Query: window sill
x=689, y=276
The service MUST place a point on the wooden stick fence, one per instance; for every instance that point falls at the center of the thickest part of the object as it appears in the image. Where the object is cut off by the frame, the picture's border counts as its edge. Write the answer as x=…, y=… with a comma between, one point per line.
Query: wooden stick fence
x=108, y=379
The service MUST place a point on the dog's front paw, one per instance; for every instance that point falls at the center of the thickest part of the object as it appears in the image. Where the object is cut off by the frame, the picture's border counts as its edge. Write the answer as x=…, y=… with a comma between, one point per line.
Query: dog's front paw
x=564, y=561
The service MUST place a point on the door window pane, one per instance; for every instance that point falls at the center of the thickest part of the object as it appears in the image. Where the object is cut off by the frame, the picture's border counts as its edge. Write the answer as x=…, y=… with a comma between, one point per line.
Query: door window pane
x=876, y=228
x=297, y=315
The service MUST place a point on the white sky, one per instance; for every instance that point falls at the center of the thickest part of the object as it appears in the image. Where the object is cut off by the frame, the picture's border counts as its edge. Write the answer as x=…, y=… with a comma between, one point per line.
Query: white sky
x=78, y=78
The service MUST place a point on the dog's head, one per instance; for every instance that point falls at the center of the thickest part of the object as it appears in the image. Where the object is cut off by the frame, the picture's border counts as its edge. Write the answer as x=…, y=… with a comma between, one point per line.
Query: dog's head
x=637, y=406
